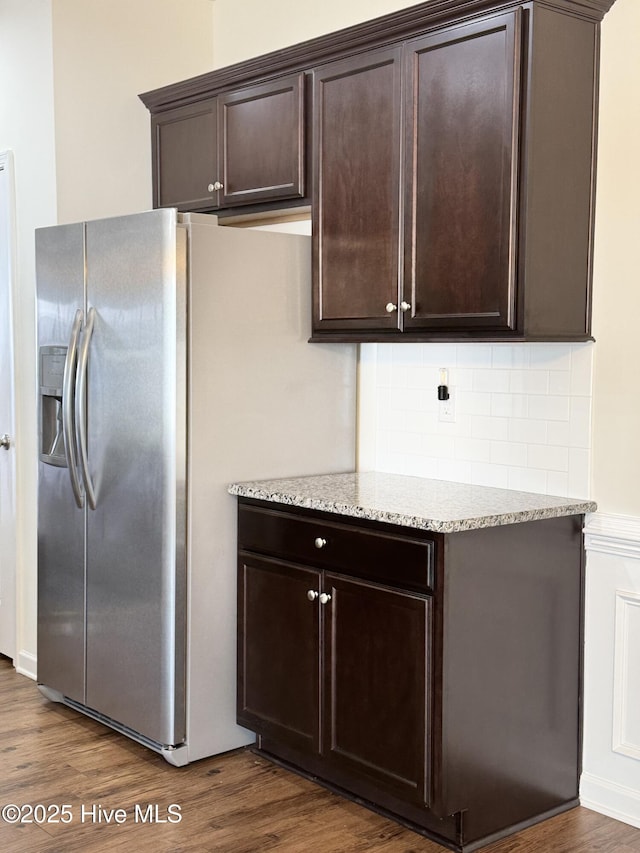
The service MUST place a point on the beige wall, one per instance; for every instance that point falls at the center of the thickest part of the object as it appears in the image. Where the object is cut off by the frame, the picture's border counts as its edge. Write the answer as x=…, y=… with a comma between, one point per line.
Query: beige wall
x=69, y=111
x=26, y=127
x=105, y=52
x=245, y=28
x=616, y=306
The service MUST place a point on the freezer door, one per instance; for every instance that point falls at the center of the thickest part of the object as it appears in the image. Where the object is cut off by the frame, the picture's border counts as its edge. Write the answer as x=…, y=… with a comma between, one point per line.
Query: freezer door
x=61, y=522
x=136, y=387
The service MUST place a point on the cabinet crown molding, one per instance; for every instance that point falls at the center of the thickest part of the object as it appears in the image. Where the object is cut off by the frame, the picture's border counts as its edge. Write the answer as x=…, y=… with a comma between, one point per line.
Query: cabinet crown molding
x=374, y=33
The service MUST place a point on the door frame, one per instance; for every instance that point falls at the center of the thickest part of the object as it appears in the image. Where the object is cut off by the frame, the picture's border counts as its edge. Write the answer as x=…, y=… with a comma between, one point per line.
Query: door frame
x=9, y=579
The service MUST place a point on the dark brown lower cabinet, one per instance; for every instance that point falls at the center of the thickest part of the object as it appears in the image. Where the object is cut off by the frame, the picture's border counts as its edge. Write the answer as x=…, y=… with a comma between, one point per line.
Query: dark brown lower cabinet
x=447, y=698
x=375, y=684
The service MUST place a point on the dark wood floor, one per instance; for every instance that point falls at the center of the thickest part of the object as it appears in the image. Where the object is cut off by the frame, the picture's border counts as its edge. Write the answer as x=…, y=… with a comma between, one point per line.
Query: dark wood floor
x=236, y=803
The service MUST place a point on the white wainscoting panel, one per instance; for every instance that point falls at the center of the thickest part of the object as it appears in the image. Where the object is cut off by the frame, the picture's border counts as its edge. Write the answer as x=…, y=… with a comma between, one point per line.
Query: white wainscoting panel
x=626, y=675
x=610, y=781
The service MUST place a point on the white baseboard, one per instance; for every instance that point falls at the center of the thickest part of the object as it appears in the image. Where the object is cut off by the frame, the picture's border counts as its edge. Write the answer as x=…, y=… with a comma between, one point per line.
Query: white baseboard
x=611, y=799
x=27, y=664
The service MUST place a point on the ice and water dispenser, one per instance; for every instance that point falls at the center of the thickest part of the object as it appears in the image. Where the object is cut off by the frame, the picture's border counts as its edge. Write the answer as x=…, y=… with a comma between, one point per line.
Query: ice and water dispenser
x=52, y=361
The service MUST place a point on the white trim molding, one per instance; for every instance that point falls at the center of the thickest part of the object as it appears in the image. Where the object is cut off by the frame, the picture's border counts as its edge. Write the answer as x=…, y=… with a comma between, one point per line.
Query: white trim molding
x=27, y=664
x=618, y=535
x=609, y=798
x=610, y=781
x=626, y=675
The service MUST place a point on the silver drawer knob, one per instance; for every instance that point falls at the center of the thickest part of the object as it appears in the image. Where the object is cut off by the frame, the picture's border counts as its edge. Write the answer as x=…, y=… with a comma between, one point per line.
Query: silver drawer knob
x=5, y=441
x=320, y=542
x=404, y=306
x=312, y=594
x=325, y=598
x=213, y=188
x=390, y=307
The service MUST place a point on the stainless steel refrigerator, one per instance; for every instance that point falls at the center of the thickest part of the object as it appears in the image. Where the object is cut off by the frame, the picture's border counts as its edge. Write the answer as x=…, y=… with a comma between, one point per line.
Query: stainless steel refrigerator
x=173, y=359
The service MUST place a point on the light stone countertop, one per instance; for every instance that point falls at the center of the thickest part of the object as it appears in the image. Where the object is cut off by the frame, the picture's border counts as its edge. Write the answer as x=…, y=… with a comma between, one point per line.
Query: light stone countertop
x=437, y=505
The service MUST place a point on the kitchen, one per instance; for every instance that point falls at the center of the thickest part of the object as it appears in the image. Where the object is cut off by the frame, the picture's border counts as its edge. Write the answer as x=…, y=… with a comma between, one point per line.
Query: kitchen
x=111, y=154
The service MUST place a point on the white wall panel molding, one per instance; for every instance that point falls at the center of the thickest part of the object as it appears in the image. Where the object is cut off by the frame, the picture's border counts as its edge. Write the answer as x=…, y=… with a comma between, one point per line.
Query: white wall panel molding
x=610, y=781
x=626, y=675
x=618, y=535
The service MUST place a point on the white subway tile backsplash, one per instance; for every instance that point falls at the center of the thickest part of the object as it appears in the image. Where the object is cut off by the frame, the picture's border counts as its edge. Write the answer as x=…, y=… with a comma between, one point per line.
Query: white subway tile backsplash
x=476, y=356
x=473, y=403
x=581, y=370
x=424, y=466
x=440, y=355
x=558, y=433
x=579, y=472
x=408, y=354
x=508, y=453
x=559, y=382
x=504, y=355
x=461, y=378
x=439, y=446
x=527, y=432
x=527, y=480
x=528, y=382
x=485, y=380
x=580, y=422
x=558, y=483
x=549, y=356
x=490, y=475
x=549, y=408
x=496, y=428
x=454, y=469
x=522, y=414
x=509, y=405
x=473, y=449
x=548, y=457
x=421, y=377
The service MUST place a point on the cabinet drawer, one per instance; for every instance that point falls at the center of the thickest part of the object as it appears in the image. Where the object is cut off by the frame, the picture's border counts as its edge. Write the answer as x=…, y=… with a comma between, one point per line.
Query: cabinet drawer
x=383, y=557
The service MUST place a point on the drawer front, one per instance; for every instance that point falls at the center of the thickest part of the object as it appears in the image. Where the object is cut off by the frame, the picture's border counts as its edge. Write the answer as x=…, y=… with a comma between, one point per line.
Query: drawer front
x=386, y=558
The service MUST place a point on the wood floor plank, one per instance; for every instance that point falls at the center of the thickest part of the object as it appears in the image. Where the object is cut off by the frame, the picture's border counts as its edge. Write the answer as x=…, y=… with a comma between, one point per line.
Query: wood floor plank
x=234, y=803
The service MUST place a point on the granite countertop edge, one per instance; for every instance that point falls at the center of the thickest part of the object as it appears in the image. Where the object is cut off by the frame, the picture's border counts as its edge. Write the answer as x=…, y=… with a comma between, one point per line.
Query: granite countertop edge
x=267, y=492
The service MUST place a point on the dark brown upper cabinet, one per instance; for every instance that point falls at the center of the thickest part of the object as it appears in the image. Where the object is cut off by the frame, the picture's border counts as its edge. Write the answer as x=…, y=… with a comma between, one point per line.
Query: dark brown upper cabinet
x=185, y=156
x=261, y=142
x=491, y=167
x=241, y=148
x=453, y=156
x=462, y=106
x=356, y=180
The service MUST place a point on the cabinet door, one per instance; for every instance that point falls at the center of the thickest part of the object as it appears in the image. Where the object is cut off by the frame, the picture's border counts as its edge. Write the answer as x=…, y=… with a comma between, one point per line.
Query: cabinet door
x=278, y=651
x=185, y=160
x=356, y=187
x=261, y=142
x=376, y=724
x=462, y=104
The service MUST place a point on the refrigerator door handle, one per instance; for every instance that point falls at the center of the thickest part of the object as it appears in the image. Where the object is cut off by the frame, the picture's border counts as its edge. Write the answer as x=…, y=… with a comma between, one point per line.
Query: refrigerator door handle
x=68, y=431
x=81, y=408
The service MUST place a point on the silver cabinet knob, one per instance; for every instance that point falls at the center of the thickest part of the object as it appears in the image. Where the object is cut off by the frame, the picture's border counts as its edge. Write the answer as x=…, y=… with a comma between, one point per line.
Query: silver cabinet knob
x=404, y=306
x=5, y=441
x=325, y=598
x=390, y=307
x=320, y=542
x=213, y=188
x=312, y=594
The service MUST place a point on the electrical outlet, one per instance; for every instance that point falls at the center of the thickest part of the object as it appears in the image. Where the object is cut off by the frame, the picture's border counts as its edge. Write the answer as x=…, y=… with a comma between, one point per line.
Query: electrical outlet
x=447, y=408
